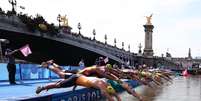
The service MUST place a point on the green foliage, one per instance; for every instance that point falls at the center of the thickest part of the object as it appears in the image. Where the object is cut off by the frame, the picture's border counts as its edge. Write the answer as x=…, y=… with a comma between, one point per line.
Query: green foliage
x=33, y=24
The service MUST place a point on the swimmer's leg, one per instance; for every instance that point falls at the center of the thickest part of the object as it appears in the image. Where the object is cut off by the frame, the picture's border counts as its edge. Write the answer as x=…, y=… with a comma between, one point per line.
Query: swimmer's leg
x=117, y=96
x=47, y=87
x=130, y=91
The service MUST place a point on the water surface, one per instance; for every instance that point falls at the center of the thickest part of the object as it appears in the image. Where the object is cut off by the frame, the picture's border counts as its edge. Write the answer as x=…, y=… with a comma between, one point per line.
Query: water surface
x=182, y=89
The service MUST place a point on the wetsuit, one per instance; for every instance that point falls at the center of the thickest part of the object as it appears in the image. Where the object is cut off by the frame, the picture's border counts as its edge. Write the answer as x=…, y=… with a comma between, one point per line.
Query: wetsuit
x=67, y=76
x=115, y=85
x=71, y=81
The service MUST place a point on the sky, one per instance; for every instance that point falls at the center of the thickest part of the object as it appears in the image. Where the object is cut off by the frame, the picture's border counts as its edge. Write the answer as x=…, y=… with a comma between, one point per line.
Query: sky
x=177, y=23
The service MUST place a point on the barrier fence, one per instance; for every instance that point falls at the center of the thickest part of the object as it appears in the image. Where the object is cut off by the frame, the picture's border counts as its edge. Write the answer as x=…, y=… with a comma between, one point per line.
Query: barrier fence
x=30, y=72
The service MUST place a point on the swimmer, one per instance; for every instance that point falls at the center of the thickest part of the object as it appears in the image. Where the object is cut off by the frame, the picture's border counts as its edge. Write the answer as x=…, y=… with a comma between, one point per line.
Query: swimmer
x=103, y=71
x=119, y=87
x=56, y=69
x=100, y=71
x=81, y=80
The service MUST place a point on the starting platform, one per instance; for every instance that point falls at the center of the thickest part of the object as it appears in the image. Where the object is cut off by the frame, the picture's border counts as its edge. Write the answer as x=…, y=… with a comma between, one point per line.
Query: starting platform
x=26, y=92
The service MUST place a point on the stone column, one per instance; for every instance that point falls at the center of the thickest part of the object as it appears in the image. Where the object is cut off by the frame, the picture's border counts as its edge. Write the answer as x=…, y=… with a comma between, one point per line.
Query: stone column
x=148, y=51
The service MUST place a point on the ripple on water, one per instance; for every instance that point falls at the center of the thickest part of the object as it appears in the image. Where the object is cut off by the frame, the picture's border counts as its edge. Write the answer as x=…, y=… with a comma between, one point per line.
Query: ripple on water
x=182, y=89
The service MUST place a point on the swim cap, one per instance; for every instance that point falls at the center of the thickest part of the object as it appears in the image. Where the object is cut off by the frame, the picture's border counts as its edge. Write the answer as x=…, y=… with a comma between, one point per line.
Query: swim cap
x=110, y=89
x=149, y=74
x=109, y=66
x=143, y=73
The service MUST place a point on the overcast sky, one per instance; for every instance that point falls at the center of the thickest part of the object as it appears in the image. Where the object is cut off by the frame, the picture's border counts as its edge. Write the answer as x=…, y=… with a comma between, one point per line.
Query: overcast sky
x=177, y=23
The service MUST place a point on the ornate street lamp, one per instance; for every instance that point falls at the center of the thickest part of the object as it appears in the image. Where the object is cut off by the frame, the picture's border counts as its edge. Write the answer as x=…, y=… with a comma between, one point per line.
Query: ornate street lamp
x=105, y=38
x=140, y=48
x=13, y=3
x=59, y=19
x=115, y=42
x=79, y=27
x=129, y=47
x=94, y=33
x=122, y=45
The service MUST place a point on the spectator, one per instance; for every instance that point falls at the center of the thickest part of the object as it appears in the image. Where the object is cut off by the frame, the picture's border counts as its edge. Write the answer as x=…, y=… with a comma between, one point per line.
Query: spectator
x=81, y=64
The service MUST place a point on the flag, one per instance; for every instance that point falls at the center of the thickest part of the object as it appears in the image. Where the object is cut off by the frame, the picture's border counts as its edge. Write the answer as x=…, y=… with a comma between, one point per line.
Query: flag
x=185, y=72
x=25, y=50
x=106, y=59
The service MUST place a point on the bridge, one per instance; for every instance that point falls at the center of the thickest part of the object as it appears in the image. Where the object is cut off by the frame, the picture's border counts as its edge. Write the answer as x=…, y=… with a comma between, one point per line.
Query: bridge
x=66, y=47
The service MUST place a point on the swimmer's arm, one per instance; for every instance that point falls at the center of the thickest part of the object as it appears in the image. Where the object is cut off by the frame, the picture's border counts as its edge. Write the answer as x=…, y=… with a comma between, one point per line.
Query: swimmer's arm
x=117, y=96
x=138, y=96
x=132, y=92
x=112, y=76
x=145, y=82
x=81, y=71
x=11, y=53
x=14, y=51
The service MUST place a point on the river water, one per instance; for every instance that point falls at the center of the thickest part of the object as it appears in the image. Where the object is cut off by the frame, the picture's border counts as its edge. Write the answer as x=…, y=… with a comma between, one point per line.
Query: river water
x=182, y=89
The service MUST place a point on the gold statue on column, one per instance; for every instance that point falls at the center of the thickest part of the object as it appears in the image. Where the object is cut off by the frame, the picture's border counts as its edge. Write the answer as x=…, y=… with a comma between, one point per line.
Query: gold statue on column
x=149, y=19
x=64, y=20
